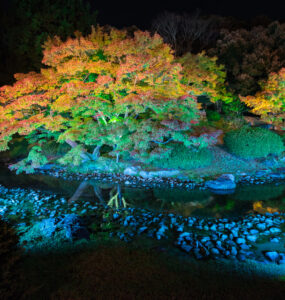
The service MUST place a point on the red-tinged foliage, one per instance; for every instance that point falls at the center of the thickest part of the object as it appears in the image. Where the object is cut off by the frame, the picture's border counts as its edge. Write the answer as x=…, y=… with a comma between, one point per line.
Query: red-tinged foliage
x=105, y=88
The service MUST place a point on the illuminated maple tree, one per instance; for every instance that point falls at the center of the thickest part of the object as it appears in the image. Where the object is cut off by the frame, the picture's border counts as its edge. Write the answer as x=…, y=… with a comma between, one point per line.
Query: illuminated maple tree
x=106, y=88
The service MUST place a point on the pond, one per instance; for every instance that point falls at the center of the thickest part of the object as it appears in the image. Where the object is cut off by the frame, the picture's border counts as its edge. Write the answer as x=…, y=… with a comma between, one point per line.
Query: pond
x=245, y=224
x=185, y=202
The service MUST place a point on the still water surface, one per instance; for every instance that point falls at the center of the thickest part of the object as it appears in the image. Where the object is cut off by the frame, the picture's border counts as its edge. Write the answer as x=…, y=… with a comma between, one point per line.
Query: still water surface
x=204, y=203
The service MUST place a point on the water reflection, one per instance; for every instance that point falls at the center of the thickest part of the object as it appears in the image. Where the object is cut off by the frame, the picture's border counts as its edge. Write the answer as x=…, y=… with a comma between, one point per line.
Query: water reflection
x=260, y=198
x=116, y=199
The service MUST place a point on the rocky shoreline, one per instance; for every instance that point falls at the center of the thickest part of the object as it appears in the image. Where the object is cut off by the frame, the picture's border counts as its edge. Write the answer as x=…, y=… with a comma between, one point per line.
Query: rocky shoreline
x=202, y=238
x=135, y=178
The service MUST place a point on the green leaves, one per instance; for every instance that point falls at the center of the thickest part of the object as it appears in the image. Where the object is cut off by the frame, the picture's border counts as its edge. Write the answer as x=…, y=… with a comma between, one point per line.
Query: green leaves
x=34, y=160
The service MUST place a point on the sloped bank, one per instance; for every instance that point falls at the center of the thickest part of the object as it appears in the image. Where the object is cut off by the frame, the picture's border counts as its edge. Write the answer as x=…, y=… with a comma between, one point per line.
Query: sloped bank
x=240, y=171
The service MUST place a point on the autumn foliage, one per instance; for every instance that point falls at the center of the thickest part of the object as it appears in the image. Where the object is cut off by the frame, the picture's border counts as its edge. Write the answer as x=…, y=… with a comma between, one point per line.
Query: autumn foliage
x=205, y=76
x=108, y=88
x=269, y=103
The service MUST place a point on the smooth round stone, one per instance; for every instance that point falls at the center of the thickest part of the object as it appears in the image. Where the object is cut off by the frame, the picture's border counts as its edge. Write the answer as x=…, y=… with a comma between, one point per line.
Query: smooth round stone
x=205, y=239
x=215, y=251
x=272, y=255
x=234, y=251
x=241, y=257
x=186, y=248
x=274, y=240
x=252, y=238
x=240, y=241
x=261, y=226
x=274, y=230
x=244, y=246
x=248, y=225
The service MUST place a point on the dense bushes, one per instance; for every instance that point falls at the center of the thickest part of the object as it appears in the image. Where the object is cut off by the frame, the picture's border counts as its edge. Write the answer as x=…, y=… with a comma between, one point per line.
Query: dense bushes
x=249, y=142
x=185, y=158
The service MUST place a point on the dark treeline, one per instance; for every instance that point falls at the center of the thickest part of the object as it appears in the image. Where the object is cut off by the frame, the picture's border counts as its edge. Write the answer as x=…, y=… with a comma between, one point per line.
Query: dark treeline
x=249, y=50
x=26, y=24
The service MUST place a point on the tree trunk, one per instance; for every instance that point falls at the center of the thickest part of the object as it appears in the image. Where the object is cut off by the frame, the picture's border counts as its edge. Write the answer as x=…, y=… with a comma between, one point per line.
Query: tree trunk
x=84, y=154
x=96, y=153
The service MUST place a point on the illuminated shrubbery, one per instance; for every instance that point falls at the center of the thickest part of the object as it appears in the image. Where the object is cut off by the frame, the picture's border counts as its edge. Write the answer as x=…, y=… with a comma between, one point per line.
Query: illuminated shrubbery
x=108, y=88
x=269, y=103
x=185, y=158
x=249, y=142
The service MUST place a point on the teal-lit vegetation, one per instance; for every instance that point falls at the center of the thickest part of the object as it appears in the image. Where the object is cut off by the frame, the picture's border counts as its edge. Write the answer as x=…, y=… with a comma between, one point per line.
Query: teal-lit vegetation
x=250, y=142
x=185, y=158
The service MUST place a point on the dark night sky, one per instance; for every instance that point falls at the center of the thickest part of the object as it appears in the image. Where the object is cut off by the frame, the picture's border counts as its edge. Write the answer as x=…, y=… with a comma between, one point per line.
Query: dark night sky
x=122, y=13
x=140, y=13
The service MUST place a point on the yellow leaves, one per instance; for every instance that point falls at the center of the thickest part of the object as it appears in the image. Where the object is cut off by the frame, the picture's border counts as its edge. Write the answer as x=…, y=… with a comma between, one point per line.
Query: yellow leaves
x=62, y=103
x=71, y=67
x=203, y=75
x=270, y=101
x=54, y=123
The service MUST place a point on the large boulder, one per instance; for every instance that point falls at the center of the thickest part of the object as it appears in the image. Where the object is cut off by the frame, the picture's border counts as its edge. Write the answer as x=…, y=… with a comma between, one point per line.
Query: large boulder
x=224, y=182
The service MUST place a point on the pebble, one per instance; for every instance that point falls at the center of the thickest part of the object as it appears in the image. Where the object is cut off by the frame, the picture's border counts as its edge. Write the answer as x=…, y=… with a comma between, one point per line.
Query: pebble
x=272, y=255
x=240, y=241
x=274, y=240
x=252, y=238
x=261, y=226
x=275, y=230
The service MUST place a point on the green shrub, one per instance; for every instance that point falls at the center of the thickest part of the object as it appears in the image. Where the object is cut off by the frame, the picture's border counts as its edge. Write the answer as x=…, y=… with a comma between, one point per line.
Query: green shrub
x=185, y=158
x=248, y=142
x=52, y=148
x=213, y=115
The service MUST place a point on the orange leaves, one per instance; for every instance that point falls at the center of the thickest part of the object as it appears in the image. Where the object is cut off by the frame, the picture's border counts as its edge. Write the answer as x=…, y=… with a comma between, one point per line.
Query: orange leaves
x=204, y=75
x=270, y=101
x=57, y=52
x=104, y=79
x=63, y=103
x=259, y=208
x=108, y=73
